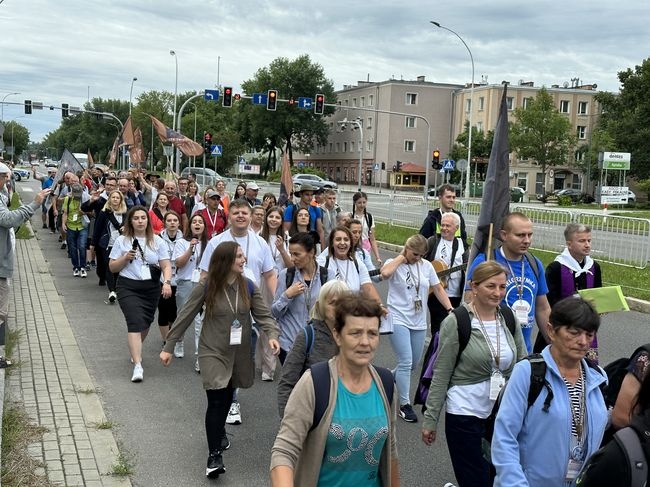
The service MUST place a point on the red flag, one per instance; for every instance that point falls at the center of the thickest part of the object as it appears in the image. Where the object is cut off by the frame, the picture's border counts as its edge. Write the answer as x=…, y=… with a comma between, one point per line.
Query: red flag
x=187, y=146
x=127, y=133
x=136, y=151
x=286, y=180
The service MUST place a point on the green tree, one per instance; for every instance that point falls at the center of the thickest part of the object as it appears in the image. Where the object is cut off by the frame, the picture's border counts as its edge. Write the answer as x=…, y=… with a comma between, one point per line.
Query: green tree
x=540, y=132
x=289, y=125
x=481, y=147
x=18, y=135
x=626, y=117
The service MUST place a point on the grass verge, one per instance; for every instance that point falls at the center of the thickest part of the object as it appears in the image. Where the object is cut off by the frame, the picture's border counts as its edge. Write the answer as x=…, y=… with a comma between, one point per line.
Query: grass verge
x=123, y=466
x=22, y=232
x=634, y=282
x=104, y=425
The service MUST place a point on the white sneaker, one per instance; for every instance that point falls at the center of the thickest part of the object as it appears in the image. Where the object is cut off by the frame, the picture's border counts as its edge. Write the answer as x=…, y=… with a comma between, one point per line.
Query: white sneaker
x=234, y=414
x=138, y=373
x=112, y=297
x=75, y=273
x=197, y=367
x=267, y=377
x=179, y=350
x=83, y=272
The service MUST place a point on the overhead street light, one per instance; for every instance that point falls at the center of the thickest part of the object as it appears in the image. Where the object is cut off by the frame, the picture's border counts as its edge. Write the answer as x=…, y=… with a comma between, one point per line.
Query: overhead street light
x=471, y=105
x=173, y=53
x=131, y=94
x=2, y=118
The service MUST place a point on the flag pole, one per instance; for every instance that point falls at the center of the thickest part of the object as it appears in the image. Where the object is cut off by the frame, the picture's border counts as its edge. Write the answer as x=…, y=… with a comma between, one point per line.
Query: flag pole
x=488, y=252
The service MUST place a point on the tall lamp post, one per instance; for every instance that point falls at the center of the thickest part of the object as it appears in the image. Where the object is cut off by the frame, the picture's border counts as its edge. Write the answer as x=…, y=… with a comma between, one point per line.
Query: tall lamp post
x=471, y=105
x=2, y=118
x=131, y=94
x=356, y=124
x=173, y=53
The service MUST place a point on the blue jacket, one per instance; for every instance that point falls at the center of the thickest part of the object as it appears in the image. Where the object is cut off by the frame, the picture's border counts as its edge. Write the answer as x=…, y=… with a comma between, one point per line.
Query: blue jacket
x=531, y=447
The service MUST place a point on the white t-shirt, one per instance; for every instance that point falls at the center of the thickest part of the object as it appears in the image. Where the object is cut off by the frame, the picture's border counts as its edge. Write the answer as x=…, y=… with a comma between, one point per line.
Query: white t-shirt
x=474, y=399
x=277, y=256
x=443, y=253
x=185, y=273
x=170, y=246
x=346, y=271
x=408, y=283
x=258, y=254
x=152, y=255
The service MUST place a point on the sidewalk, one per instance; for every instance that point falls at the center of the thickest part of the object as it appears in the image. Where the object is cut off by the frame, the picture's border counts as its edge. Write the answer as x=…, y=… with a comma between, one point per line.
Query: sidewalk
x=53, y=383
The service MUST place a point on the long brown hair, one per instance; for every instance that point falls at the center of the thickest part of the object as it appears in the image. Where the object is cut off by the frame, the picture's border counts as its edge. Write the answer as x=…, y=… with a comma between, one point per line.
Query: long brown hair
x=219, y=270
x=330, y=245
x=128, y=225
x=266, y=231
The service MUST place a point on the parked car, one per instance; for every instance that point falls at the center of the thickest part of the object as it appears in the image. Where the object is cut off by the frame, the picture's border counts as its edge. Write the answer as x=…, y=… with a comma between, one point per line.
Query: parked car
x=631, y=197
x=204, y=177
x=314, y=180
x=20, y=174
x=576, y=195
x=51, y=163
x=434, y=191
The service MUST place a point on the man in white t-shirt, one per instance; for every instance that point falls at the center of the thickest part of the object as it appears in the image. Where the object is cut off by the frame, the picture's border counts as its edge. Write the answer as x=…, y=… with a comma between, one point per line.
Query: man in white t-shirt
x=449, y=251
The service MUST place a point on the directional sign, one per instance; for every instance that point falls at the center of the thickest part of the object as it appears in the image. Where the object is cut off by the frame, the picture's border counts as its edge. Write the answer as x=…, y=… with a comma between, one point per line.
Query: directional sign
x=259, y=98
x=211, y=95
x=448, y=165
x=461, y=165
x=305, y=102
x=216, y=150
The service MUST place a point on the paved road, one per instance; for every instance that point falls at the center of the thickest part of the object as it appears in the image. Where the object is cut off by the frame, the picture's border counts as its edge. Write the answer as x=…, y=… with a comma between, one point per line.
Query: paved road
x=160, y=421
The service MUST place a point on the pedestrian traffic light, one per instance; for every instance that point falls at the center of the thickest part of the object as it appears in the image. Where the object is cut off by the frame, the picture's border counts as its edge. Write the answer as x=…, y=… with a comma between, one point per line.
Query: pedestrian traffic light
x=28, y=107
x=435, y=162
x=319, y=107
x=65, y=111
x=272, y=100
x=227, y=96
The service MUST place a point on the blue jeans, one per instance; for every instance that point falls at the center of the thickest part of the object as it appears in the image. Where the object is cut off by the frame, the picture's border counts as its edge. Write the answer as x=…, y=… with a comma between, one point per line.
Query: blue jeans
x=408, y=345
x=77, y=247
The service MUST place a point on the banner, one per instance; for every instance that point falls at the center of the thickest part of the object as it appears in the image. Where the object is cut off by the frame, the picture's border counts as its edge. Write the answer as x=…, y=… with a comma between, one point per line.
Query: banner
x=187, y=146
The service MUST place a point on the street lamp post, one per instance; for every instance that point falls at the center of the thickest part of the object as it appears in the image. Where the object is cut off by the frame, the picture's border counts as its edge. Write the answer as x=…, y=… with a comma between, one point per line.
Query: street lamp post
x=357, y=124
x=173, y=53
x=2, y=118
x=131, y=94
x=471, y=105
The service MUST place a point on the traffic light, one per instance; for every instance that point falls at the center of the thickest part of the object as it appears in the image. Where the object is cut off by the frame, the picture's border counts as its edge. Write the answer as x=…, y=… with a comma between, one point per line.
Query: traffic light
x=65, y=111
x=207, y=141
x=398, y=167
x=272, y=100
x=227, y=96
x=319, y=107
x=435, y=162
x=292, y=101
x=28, y=107
x=237, y=97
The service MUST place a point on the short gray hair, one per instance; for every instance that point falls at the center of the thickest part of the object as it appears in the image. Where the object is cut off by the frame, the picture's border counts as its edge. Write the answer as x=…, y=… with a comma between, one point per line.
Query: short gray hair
x=453, y=216
x=573, y=228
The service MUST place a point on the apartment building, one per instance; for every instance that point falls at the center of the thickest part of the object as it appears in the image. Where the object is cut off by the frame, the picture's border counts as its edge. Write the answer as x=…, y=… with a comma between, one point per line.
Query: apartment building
x=577, y=102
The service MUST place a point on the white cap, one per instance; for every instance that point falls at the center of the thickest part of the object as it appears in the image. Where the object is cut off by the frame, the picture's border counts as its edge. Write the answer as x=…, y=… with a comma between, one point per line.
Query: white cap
x=4, y=169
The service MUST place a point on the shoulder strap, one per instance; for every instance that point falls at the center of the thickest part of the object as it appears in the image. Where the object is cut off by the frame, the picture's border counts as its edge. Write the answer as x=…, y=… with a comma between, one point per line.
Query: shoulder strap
x=533, y=263
x=388, y=381
x=509, y=318
x=432, y=246
x=356, y=263
x=538, y=381
x=309, y=338
x=111, y=217
x=291, y=274
x=464, y=329
x=628, y=441
x=327, y=261
x=320, y=377
x=251, y=287
x=324, y=274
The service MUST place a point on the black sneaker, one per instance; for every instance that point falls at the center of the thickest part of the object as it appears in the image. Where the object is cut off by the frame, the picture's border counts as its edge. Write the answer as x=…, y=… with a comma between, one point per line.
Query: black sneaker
x=215, y=465
x=44, y=225
x=407, y=414
x=225, y=442
x=64, y=246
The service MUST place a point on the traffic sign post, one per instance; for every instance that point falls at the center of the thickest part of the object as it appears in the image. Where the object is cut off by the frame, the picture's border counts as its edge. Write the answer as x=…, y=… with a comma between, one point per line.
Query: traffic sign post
x=216, y=150
x=448, y=165
x=211, y=95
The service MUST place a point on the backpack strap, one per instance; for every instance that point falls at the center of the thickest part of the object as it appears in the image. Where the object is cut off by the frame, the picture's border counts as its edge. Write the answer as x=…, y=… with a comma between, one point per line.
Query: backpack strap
x=324, y=274
x=388, y=381
x=509, y=318
x=291, y=274
x=309, y=339
x=251, y=287
x=628, y=440
x=464, y=329
x=538, y=381
x=320, y=377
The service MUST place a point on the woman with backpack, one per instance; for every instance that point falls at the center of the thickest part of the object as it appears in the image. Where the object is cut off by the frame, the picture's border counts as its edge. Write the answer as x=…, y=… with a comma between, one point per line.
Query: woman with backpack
x=314, y=343
x=297, y=290
x=546, y=440
x=468, y=376
x=231, y=303
x=108, y=226
x=339, y=423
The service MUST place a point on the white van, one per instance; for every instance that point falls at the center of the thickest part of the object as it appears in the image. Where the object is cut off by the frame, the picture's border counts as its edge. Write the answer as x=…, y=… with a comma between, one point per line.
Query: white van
x=204, y=177
x=82, y=158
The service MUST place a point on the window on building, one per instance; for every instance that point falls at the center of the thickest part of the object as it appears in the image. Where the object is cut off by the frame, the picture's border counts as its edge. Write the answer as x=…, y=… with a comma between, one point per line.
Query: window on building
x=522, y=180
x=352, y=146
x=338, y=147
x=583, y=107
x=345, y=146
x=363, y=101
x=331, y=146
x=369, y=124
x=575, y=182
x=580, y=156
x=479, y=126
x=354, y=102
x=409, y=146
x=409, y=122
x=481, y=103
x=510, y=102
x=582, y=132
x=411, y=98
x=539, y=183
x=468, y=105
x=525, y=102
x=564, y=106
x=369, y=144
x=346, y=103
x=371, y=100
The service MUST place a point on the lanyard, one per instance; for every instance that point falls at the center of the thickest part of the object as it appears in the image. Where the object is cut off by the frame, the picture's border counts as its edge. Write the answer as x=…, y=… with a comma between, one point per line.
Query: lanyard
x=171, y=245
x=213, y=221
x=520, y=284
x=416, y=282
x=496, y=353
x=196, y=261
x=347, y=266
x=234, y=310
x=578, y=417
x=307, y=294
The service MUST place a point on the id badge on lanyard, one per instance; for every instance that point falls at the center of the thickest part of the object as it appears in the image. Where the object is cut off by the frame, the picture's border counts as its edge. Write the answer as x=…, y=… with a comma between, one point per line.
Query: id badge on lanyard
x=235, y=332
x=145, y=272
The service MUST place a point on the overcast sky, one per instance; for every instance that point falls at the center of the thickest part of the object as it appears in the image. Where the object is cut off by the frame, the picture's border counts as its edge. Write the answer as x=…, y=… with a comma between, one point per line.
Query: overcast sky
x=57, y=51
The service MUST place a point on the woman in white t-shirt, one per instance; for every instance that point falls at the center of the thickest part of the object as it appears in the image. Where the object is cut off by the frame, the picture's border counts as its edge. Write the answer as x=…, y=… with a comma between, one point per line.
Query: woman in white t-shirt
x=409, y=280
x=342, y=264
x=140, y=257
x=272, y=234
x=187, y=255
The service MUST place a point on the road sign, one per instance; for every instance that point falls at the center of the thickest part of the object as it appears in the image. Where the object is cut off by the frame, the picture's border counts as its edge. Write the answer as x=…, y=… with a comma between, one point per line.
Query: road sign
x=614, y=160
x=461, y=165
x=376, y=167
x=211, y=95
x=216, y=150
x=613, y=195
x=305, y=102
x=259, y=98
x=448, y=165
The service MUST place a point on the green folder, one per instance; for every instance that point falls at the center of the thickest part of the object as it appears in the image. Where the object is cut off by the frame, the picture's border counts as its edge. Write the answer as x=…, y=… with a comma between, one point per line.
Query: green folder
x=605, y=299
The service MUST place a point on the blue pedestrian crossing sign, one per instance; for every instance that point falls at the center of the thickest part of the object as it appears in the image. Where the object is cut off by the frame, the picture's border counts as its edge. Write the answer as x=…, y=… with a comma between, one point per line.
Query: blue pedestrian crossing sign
x=259, y=98
x=448, y=165
x=211, y=95
x=305, y=102
x=216, y=150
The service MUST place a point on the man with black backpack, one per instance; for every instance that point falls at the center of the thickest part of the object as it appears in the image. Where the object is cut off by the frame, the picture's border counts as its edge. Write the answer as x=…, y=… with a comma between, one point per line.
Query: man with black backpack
x=526, y=287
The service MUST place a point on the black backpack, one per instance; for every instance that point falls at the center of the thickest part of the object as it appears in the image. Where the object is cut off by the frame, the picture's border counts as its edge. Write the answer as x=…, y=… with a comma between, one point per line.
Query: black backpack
x=291, y=274
x=616, y=372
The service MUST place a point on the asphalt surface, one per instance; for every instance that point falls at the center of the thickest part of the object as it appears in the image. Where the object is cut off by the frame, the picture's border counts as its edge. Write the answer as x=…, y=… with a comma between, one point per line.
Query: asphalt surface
x=160, y=422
